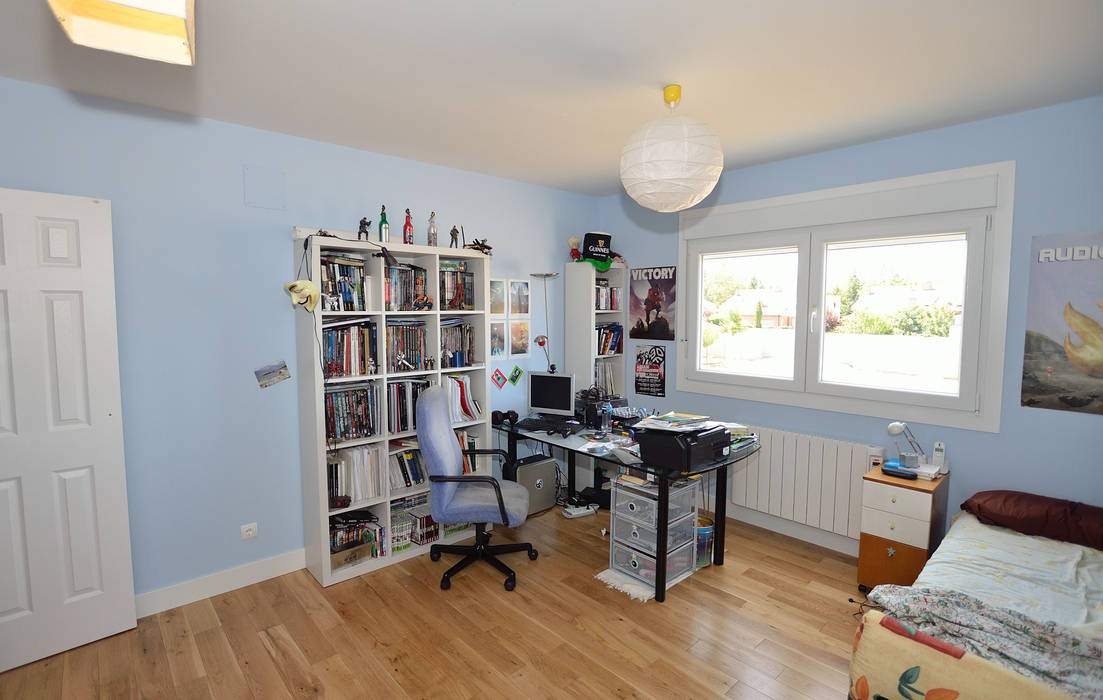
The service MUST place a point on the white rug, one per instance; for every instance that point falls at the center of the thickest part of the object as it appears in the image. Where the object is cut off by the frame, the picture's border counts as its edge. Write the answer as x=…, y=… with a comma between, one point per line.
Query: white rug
x=624, y=583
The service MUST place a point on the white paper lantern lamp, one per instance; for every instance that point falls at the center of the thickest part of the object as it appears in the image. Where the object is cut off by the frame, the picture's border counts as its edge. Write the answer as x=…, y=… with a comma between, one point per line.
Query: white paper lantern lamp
x=672, y=163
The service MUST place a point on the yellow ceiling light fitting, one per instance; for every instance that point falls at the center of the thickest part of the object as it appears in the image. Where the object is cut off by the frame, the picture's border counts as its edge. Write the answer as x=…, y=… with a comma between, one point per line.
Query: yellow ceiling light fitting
x=672, y=163
x=160, y=30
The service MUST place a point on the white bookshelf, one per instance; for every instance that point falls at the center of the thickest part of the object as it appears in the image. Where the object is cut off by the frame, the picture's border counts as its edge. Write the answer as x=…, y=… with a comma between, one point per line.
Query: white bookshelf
x=581, y=319
x=312, y=386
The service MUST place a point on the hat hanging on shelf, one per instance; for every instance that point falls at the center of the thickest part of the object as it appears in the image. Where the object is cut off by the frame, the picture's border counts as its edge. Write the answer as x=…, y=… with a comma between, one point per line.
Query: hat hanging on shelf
x=672, y=163
x=542, y=340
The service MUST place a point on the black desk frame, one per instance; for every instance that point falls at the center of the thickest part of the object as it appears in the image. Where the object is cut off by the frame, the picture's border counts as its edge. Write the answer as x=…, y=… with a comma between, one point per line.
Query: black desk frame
x=664, y=478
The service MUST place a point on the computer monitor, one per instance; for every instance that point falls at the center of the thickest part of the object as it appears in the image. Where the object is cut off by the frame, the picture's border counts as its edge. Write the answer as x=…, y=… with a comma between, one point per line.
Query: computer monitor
x=551, y=393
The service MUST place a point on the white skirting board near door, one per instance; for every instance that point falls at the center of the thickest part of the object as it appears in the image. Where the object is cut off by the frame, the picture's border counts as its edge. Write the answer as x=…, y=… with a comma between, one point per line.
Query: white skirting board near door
x=219, y=582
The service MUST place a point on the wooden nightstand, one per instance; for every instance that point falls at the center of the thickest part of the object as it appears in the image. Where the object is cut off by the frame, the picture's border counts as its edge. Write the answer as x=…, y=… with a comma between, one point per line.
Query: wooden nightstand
x=901, y=526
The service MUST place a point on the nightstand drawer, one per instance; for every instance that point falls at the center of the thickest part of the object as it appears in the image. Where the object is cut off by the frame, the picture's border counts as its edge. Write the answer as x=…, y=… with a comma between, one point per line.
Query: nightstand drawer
x=886, y=561
x=893, y=499
x=899, y=528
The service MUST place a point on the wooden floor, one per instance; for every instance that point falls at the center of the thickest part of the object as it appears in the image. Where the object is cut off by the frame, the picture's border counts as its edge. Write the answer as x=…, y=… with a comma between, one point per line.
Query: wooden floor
x=773, y=622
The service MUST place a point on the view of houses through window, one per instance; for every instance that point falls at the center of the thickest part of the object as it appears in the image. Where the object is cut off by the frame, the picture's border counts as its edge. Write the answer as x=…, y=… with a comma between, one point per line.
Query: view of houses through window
x=891, y=312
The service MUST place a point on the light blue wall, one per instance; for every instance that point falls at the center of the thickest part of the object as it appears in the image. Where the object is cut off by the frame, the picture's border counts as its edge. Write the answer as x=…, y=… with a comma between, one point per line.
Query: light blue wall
x=1058, y=189
x=200, y=301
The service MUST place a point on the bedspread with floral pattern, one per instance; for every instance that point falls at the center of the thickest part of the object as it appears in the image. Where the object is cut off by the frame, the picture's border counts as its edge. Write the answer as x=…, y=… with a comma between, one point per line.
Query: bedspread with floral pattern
x=1044, y=651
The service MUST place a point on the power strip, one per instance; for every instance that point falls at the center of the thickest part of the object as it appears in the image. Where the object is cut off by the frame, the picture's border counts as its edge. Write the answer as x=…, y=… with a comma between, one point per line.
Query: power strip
x=579, y=511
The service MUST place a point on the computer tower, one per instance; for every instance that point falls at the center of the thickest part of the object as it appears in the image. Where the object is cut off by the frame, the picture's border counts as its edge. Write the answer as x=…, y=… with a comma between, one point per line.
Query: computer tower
x=537, y=474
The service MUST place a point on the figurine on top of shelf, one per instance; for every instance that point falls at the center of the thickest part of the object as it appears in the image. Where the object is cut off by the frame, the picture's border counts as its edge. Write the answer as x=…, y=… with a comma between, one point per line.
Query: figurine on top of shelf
x=431, y=234
x=325, y=234
x=480, y=245
x=575, y=243
x=408, y=229
x=364, y=234
x=423, y=303
x=455, y=234
x=384, y=227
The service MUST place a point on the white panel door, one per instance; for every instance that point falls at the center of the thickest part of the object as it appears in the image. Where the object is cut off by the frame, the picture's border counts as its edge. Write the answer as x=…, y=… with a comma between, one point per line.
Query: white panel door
x=65, y=572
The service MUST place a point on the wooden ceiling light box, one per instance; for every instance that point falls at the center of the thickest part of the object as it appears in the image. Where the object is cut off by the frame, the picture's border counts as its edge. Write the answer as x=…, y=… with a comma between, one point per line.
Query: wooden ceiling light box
x=160, y=30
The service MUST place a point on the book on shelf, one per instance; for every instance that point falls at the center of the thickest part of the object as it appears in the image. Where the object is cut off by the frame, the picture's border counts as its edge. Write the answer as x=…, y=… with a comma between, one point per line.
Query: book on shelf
x=402, y=402
x=425, y=529
x=349, y=348
x=407, y=349
x=457, y=286
x=351, y=412
x=354, y=472
x=609, y=338
x=468, y=441
x=402, y=285
x=407, y=469
x=462, y=405
x=355, y=529
x=342, y=284
x=457, y=343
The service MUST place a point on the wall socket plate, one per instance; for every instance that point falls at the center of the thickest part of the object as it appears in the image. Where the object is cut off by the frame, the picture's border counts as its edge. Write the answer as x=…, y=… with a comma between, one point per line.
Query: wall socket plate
x=248, y=531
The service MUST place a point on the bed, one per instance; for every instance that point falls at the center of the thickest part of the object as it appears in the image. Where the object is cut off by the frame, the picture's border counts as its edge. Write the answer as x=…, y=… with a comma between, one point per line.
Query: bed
x=995, y=613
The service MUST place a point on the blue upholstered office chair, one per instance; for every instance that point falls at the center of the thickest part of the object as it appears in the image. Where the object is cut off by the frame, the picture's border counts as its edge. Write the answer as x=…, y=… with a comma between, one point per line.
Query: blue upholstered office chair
x=456, y=497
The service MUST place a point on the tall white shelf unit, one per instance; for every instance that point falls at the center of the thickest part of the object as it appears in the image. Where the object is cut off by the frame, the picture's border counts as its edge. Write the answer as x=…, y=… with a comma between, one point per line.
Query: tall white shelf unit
x=581, y=319
x=327, y=568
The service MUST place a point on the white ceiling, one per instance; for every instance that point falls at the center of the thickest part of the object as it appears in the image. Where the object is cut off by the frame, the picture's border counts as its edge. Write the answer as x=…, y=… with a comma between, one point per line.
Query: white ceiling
x=548, y=92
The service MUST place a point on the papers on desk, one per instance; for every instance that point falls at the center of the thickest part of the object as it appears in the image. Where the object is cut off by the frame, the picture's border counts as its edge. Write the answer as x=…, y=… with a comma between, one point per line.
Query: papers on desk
x=675, y=422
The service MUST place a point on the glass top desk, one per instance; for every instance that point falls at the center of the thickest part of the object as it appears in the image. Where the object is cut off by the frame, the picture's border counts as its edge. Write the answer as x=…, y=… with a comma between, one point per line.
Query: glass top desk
x=573, y=445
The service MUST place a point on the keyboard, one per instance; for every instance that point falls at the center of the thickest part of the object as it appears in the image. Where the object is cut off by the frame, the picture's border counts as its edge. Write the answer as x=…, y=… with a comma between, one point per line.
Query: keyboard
x=556, y=426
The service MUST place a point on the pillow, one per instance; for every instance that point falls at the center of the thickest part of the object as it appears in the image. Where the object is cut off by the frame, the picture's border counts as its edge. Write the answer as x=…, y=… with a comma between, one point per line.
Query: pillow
x=1031, y=514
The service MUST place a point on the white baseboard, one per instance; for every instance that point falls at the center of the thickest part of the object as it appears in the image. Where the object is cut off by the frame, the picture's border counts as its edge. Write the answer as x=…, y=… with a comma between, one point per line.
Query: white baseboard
x=816, y=536
x=219, y=582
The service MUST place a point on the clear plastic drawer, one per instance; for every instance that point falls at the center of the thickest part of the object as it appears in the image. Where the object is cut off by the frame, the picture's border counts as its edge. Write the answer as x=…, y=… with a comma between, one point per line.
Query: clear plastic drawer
x=641, y=504
x=642, y=566
x=645, y=537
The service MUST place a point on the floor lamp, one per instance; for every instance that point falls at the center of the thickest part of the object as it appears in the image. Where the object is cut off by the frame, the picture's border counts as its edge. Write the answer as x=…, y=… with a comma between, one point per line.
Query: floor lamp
x=542, y=340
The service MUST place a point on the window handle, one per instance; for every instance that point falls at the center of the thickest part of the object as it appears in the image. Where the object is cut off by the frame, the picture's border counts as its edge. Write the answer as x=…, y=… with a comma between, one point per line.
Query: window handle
x=812, y=323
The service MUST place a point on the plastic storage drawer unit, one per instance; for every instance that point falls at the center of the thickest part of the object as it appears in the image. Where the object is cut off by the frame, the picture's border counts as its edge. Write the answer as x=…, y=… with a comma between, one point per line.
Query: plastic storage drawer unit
x=645, y=537
x=641, y=566
x=643, y=507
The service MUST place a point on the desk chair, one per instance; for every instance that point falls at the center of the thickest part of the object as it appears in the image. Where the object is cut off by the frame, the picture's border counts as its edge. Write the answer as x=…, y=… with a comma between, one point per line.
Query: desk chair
x=456, y=497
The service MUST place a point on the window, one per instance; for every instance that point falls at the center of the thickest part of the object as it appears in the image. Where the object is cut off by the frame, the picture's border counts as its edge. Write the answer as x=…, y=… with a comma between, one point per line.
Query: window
x=878, y=299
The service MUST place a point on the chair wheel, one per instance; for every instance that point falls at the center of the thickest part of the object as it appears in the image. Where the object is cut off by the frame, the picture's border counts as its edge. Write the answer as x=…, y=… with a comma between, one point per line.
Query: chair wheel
x=435, y=556
x=511, y=583
x=533, y=554
x=445, y=584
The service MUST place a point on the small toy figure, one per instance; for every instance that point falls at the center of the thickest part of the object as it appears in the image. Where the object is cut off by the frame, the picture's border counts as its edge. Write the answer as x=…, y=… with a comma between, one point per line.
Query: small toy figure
x=575, y=243
x=365, y=230
x=408, y=229
x=423, y=303
x=455, y=234
x=401, y=363
x=431, y=234
x=384, y=227
x=324, y=233
x=480, y=245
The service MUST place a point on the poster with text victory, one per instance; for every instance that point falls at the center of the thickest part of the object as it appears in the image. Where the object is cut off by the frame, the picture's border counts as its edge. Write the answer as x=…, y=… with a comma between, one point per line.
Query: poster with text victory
x=1063, y=356
x=651, y=303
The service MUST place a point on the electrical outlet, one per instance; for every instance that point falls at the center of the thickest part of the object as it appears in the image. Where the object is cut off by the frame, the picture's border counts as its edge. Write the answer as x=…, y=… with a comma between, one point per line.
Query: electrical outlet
x=249, y=531
x=875, y=457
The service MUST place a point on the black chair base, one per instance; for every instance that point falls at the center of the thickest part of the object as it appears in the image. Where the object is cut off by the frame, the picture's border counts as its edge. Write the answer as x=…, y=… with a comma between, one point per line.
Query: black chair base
x=481, y=550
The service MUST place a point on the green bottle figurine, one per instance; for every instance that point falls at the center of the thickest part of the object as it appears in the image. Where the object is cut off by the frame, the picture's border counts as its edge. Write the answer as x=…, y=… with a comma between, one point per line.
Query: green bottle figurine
x=432, y=232
x=384, y=227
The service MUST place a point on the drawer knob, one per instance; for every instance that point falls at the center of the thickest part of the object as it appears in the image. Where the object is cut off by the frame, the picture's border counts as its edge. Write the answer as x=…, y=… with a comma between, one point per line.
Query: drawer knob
x=635, y=532
x=894, y=499
x=635, y=564
x=631, y=506
x=891, y=551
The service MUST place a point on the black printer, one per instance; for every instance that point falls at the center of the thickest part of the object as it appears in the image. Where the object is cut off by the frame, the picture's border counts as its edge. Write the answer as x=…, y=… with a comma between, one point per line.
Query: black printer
x=683, y=451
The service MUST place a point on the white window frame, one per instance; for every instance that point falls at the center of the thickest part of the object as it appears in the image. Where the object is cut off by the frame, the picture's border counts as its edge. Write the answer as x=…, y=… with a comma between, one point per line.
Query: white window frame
x=977, y=200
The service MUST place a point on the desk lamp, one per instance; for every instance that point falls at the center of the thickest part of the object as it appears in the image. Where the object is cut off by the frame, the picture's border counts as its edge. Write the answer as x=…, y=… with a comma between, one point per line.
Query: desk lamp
x=917, y=455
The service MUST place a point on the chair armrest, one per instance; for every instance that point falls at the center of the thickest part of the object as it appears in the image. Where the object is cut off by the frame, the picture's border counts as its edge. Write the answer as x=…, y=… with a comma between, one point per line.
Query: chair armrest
x=478, y=479
x=509, y=472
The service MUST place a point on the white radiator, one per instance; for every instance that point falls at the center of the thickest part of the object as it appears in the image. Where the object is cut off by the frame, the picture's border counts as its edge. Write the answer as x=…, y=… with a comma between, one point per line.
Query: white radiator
x=812, y=480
